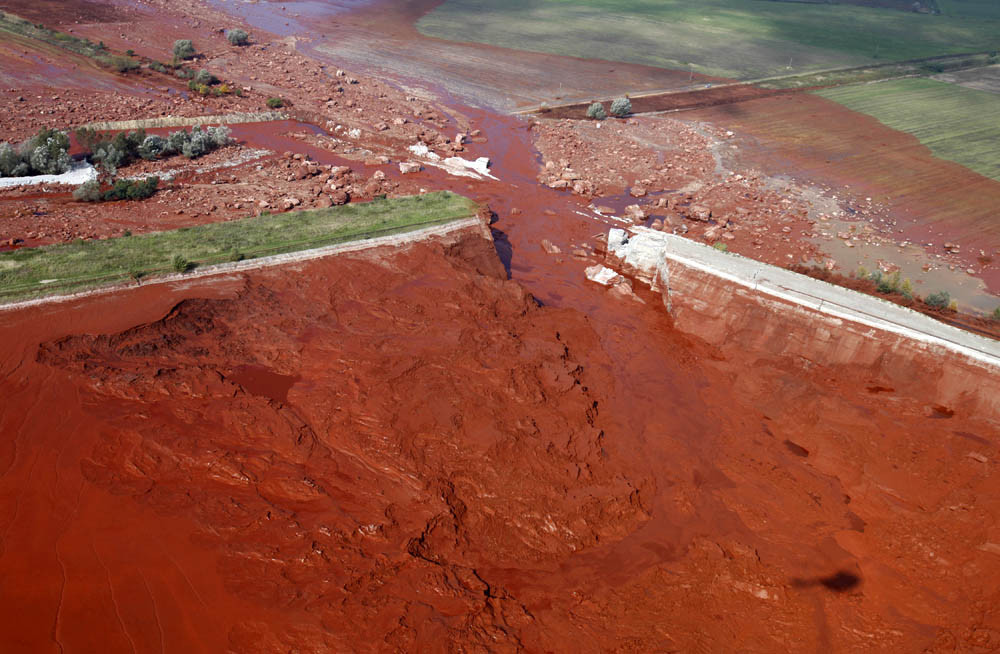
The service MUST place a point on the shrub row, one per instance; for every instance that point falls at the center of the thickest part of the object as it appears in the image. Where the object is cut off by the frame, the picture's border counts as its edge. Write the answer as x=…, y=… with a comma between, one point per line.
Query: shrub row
x=894, y=284
x=122, y=189
x=125, y=147
x=620, y=108
x=45, y=153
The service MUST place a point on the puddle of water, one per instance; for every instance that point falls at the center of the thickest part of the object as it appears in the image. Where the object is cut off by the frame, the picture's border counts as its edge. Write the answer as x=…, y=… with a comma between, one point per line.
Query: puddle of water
x=262, y=381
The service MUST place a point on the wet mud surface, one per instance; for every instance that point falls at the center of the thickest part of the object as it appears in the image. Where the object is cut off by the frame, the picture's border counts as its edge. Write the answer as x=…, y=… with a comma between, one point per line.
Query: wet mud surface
x=404, y=450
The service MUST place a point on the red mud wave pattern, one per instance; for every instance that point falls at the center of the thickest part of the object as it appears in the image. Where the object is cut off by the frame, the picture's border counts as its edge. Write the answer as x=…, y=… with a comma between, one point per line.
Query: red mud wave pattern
x=357, y=457
x=356, y=511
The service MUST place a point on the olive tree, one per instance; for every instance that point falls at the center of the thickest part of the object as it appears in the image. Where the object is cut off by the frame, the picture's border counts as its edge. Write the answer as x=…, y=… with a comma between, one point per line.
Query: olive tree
x=237, y=37
x=596, y=111
x=621, y=107
x=183, y=49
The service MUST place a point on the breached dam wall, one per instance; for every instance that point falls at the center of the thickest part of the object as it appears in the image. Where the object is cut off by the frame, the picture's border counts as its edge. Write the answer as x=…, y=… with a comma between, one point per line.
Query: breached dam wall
x=729, y=300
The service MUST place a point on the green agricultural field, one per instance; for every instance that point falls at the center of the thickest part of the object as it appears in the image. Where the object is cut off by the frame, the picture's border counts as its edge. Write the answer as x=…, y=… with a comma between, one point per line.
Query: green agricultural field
x=970, y=8
x=70, y=267
x=742, y=39
x=956, y=123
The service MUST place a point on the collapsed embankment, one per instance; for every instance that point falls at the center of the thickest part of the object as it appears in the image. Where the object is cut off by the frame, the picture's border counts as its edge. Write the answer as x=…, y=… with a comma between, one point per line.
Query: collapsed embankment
x=726, y=299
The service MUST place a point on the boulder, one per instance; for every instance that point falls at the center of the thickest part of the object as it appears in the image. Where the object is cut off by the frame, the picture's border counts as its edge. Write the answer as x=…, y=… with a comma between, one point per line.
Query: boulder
x=635, y=213
x=699, y=212
x=407, y=167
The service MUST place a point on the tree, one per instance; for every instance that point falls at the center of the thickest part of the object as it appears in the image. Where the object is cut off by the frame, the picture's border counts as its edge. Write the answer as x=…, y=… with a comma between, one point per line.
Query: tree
x=152, y=147
x=183, y=49
x=206, y=78
x=237, y=37
x=596, y=111
x=621, y=107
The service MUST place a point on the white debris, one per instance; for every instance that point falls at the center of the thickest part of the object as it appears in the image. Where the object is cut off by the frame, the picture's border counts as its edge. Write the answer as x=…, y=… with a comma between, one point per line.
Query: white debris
x=600, y=274
x=78, y=173
x=457, y=166
x=464, y=168
x=421, y=150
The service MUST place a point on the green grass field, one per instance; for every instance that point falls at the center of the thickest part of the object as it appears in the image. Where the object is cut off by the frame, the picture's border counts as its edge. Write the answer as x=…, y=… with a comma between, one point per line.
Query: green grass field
x=956, y=123
x=70, y=267
x=742, y=39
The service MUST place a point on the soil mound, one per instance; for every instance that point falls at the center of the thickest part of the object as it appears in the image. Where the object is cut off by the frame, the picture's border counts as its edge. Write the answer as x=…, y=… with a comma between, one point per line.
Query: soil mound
x=364, y=504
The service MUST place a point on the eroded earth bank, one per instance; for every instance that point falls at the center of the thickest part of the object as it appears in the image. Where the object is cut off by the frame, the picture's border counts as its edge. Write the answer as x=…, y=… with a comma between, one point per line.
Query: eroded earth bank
x=461, y=444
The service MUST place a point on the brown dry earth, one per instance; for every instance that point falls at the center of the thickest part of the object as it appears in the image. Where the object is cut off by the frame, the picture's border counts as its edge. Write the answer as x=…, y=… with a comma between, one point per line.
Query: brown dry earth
x=405, y=451
x=930, y=200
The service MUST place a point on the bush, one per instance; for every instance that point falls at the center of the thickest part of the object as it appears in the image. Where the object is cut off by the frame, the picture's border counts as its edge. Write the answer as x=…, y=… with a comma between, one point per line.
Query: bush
x=152, y=147
x=180, y=264
x=9, y=160
x=200, y=89
x=996, y=314
x=906, y=289
x=123, y=64
x=124, y=189
x=219, y=136
x=45, y=153
x=621, y=107
x=938, y=300
x=596, y=111
x=120, y=150
x=205, y=77
x=176, y=141
x=183, y=49
x=88, y=192
x=198, y=143
x=158, y=67
x=275, y=103
x=721, y=247
x=237, y=37
x=888, y=284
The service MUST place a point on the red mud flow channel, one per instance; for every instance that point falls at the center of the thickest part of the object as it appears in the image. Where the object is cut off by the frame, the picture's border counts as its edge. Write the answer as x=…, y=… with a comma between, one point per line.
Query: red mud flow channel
x=407, y=452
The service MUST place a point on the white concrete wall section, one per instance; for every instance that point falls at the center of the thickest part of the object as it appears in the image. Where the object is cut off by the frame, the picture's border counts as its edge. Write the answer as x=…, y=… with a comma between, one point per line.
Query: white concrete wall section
x=649, y=255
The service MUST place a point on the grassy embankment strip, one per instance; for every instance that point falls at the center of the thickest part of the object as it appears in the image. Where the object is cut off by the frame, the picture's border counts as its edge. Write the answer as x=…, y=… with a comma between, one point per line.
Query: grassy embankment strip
x=16, y=25
x=739, y=39
x=956, y=123
x=80, y=265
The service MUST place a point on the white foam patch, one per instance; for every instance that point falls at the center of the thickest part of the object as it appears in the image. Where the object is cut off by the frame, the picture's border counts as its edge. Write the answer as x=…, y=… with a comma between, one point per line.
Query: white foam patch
x=78, y=173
